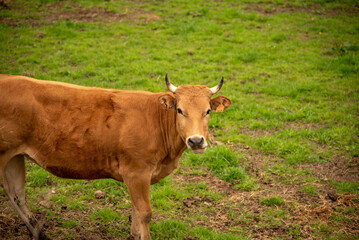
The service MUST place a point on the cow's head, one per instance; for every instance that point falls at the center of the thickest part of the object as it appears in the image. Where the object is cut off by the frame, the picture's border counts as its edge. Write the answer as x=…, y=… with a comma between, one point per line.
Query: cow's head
x=193, y=104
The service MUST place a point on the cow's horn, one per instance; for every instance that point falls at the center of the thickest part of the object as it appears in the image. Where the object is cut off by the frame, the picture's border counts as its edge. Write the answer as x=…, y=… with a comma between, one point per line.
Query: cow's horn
x=215, y=89
x=170, y=86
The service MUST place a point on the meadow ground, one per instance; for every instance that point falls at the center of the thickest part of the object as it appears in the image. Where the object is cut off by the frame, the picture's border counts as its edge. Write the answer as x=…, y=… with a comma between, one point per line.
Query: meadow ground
x=284, y=158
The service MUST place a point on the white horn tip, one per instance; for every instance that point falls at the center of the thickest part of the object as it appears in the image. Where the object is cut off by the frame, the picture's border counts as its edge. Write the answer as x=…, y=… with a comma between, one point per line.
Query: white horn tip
x=170, y=86
x=215, y=89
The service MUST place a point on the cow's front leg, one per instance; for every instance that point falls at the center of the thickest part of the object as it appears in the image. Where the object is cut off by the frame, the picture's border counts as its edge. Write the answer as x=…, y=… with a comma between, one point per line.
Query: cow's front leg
x=139, y=187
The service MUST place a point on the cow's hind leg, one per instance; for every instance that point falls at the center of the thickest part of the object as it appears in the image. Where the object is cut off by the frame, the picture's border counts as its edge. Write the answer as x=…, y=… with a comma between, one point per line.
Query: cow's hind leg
x=14, y=186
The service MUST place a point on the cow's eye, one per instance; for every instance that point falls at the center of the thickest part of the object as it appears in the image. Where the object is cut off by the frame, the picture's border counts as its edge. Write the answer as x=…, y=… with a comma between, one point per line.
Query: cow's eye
x=208, y=111
x=179, y=111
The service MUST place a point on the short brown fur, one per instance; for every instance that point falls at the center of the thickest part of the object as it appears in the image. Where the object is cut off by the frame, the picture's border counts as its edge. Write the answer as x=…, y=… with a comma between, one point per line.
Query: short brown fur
x=91, y=133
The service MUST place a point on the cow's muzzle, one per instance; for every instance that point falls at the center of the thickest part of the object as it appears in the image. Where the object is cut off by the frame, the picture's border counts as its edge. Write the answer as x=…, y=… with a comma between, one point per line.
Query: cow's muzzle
x=196, y=143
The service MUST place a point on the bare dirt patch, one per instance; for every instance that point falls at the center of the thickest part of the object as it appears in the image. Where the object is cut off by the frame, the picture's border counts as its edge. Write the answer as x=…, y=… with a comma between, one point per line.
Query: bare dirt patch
x=315, y=9
x=52, y=13
x=303, y=125
x=82, y=14
x=243, y=209
x=339, y=169
x=214, y=184
x=287, y=125
x=12, y=227
x=303, y=213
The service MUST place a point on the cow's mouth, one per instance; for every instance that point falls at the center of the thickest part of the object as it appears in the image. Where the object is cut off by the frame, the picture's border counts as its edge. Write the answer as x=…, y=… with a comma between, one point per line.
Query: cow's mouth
x=199, y=150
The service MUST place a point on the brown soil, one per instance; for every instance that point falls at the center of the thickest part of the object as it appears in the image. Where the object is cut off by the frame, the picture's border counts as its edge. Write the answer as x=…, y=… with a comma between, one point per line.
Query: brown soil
x=303, y=211
x=315, y=9
x=340, y=169
x=77, y=13
x=12, y=227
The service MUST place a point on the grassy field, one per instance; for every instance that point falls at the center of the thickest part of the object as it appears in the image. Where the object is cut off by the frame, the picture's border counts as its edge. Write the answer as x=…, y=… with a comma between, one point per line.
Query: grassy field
x=284, y=158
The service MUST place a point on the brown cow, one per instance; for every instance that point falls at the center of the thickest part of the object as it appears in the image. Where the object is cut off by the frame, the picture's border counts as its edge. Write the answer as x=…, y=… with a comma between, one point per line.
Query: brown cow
x=90, y=133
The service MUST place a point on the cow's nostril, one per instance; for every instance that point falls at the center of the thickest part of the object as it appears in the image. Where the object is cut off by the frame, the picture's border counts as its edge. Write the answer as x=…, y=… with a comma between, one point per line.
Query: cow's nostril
x=195, y=142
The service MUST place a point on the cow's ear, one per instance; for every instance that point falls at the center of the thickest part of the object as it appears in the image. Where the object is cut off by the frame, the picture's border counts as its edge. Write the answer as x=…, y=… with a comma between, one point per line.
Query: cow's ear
x=220, y=103
x=167, y=101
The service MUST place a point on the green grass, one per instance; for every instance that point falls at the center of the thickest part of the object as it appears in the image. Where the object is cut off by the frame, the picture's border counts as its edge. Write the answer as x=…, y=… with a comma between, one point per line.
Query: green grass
x=309, y=189
x=291, y=69
x=105, y=215
x=70, y=224
x=178, y=230
x=224, y=163
x=347, y=187
x=272, y=201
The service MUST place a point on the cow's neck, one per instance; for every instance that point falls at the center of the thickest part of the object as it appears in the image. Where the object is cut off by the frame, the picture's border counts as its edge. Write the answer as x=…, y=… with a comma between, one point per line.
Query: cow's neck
x=172, y=140
x=173, y=145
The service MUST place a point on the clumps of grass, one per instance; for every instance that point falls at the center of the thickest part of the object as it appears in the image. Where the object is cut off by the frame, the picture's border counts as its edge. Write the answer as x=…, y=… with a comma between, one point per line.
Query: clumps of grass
x=346, y=187
x=272, y=201
x=174, y=229
x=230, y=174
x=347, y=64
x=222, y=161
x=37, y=177
x=278, y=38
x=224, y=164
x=70, y=224
x=339, y=218
x=163, y=196
x=78, y=205
x=248, y=185
x=345, y=59
x=294, y=231
x=349, y=210
x=309, y=189
x=341, y=49
x=59, y=199
x=113, y=189
x=323, y=227
x=291, y=149
x=105, y=215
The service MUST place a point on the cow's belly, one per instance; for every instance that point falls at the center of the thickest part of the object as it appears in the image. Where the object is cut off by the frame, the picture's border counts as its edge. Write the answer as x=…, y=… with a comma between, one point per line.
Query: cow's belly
x=79, y=167
x=88, y=173
x=68, y=172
